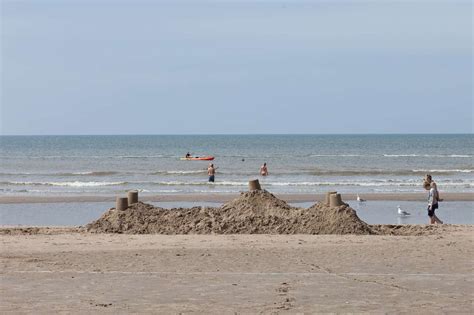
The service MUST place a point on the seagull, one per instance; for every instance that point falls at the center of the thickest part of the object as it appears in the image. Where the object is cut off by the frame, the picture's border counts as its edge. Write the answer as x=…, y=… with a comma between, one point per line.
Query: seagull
x=402, y=212
x=359, y=199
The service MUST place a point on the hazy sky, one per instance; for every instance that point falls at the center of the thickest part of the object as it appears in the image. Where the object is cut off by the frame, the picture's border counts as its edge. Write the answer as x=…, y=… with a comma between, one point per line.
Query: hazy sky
x=172, y=67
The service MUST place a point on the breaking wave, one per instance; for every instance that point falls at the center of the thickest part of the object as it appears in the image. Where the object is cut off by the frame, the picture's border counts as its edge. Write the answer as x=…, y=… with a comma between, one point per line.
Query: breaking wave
x=179, y=172
x=430, y=155
x=66, y=184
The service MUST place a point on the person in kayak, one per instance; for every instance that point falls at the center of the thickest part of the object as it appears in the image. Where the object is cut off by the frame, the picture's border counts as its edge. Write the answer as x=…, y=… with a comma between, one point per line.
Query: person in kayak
x=263, y=169
x=188, y=155
x=211, y=171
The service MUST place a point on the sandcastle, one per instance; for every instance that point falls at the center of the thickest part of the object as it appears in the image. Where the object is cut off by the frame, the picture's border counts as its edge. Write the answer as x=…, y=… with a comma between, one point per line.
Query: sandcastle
x=256, y=211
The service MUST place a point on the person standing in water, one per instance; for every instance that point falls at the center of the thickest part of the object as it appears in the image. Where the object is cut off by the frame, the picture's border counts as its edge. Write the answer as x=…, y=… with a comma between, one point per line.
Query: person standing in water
x=433, y=199
x=264, y=170
x=211, y=171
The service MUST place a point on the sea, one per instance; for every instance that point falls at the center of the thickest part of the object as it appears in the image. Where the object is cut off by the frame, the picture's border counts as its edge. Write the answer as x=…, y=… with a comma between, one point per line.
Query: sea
x=110, y=165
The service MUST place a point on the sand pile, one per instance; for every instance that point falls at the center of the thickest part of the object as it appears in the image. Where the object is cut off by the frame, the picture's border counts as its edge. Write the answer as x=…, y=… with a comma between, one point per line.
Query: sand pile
x=254, y=212
x=142, y=218
x=336, y=220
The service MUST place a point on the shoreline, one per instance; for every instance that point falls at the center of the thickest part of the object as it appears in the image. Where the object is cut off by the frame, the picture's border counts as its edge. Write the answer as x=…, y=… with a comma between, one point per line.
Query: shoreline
x=221, y=198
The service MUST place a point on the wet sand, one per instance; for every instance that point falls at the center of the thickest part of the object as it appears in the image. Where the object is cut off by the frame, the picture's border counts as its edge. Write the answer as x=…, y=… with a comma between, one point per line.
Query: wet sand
x=226, y=197
x=68, y=270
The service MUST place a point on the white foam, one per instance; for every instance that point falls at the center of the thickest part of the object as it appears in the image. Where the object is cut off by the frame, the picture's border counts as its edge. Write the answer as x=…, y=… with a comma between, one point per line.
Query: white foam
x=429, y=155
x=68, y=184
x=444, y=171
x=337, y=155
x=409, y=183
x=203, y=183
x=186, y=172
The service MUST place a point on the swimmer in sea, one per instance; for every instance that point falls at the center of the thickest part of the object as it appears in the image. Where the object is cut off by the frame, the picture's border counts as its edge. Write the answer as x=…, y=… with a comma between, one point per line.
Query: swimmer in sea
x=264, y=169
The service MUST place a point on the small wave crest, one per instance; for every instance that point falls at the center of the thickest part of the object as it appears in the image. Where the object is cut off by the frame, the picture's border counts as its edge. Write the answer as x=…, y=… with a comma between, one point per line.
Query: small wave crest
x=203, y=183
x=92, y=173
x=148, y=184
x=337, y=155
x=372, y=172
x=61, y=157
x=179, y=172
x=85, y=173
x=447, y=171
x=370, y=183
x=429, y=155
x=66, y=184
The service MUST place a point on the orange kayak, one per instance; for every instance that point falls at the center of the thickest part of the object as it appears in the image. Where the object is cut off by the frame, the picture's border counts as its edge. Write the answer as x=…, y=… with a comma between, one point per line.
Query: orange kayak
x=197, y=158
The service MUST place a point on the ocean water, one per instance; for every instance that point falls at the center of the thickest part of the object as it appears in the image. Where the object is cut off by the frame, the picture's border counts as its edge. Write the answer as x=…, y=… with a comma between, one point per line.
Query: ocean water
x=108, y=165
x=372, y=212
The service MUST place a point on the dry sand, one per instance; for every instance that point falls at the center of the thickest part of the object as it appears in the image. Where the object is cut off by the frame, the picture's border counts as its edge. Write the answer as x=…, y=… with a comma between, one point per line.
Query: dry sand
x=71, y=271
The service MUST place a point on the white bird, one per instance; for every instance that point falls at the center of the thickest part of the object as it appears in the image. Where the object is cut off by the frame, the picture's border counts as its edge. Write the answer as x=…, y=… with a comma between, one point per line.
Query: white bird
x=359, y=199
x=402, y=212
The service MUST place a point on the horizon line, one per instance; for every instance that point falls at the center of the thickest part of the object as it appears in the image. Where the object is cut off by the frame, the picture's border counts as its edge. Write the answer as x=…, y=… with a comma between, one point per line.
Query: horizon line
x=233, y=134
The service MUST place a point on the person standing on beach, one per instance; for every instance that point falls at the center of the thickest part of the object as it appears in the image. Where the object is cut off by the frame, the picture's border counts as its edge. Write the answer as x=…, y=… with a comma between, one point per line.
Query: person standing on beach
x=263, y=169
x=211, y=171
x=427, y=184
x=433, y=199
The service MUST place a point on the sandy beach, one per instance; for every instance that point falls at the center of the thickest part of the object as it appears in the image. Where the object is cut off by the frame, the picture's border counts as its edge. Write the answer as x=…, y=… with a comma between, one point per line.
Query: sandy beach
x=68, y=270
x=254, y=254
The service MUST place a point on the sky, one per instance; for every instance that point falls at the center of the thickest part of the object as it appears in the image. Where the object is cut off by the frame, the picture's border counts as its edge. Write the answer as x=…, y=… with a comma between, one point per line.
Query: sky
x=235, y=67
